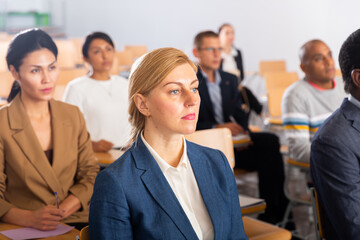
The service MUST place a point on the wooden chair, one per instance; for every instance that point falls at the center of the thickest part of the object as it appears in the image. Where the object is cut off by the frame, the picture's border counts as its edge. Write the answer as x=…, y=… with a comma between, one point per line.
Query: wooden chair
x=125, y=60
x=338, y=73
x=318, y=215
x=6, y=81
x=78, y=42
x=66, y=53
x=68, y=74
x=271, y=66
x=274, y=106
x=84, y=233
x=259, y=230
x=218, y=138
x=294, y=200
x=136, y=50
x=279, y=79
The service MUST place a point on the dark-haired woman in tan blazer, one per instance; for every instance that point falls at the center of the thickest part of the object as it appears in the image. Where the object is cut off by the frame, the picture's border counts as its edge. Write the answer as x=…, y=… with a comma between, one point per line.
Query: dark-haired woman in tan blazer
x=44, y=145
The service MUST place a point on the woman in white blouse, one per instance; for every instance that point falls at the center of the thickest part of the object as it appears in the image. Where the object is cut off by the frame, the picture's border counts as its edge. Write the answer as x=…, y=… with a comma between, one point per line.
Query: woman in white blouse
x=101, y=97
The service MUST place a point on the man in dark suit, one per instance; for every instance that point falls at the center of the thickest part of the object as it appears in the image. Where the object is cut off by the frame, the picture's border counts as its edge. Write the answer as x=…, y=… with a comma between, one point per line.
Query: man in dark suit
x=221, y=107
x=335, y=153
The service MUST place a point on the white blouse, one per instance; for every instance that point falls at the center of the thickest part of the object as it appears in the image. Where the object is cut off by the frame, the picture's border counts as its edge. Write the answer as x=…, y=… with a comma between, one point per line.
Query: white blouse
x=183, y=183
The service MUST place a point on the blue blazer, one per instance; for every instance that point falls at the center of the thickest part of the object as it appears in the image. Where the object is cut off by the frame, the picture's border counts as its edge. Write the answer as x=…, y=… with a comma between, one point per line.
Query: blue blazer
x=133, y=200
x=335, y=171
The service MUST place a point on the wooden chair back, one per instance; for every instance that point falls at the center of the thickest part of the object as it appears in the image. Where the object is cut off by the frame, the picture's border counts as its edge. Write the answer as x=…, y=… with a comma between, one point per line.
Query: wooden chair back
x=84, y=233
x=78, y=43
x=66, y=53
x=217, y=138
x=271, y=66
x=68, y=74
x=338, y=73
x=136, y=50
x=280, y=79
x=274, y=102
x=318, y=215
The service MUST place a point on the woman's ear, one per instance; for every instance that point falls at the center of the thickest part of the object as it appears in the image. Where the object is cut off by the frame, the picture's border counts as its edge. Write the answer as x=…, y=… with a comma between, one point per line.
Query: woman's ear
x=141, y=104
x=14, y=73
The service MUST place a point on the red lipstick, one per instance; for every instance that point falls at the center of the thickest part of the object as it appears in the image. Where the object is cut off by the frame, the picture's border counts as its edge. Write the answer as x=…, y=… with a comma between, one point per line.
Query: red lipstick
x=190, y=116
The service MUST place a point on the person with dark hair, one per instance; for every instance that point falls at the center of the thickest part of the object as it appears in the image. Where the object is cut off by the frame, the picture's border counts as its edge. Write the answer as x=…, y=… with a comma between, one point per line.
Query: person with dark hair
x=101, y=97
x=231, y=61
x=221, y=107
x=335, y=153
x=47, y=166
x=308, y=102
x=165, y=187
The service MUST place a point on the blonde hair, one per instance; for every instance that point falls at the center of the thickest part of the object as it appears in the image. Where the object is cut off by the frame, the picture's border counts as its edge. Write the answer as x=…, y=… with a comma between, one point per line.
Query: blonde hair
x=147, y=73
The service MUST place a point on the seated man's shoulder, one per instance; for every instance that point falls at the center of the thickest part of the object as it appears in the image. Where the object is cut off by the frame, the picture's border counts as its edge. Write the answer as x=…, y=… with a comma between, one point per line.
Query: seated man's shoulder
x=297, y=89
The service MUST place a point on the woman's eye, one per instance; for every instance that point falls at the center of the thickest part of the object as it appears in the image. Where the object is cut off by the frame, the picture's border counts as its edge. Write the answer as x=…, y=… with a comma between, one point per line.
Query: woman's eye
x=174, y=92
x=52, y=67
x=194, y=90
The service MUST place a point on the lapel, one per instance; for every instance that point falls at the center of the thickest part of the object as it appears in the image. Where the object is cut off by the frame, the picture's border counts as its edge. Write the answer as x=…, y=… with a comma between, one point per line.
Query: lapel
x=211, y=199
x=62, y=132
x=27, y=141
x=159, y=188
x=226, y=87
x=204, y=94
x=352, y=113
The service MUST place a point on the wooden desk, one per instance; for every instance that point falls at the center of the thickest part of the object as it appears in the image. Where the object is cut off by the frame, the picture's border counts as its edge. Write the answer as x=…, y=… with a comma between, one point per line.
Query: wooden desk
x=250, y=205
x=106, y=158
x=259, y=230
x=67, y=236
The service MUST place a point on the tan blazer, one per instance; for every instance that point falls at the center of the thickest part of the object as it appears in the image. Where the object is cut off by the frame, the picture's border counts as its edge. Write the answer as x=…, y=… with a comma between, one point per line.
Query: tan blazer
x=27, y=180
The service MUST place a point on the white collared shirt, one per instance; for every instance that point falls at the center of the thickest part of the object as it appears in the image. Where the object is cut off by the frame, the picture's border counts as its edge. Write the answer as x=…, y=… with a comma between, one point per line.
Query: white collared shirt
x=229, y=63
x=354, y=100
x=184, y=185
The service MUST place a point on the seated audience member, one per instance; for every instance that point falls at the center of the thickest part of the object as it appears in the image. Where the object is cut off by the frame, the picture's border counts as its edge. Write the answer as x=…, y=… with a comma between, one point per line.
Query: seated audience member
x=44, y=145
x=165, y=187
x=232, y=62
x=101, y=97
x=221, y=107
x=335, y=153
x=308, y=102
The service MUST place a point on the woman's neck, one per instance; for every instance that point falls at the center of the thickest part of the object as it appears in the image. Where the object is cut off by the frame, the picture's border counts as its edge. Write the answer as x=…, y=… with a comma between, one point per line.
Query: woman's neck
x=101, y=76
x=169, y=147
x=227, y=49
x=35, y=109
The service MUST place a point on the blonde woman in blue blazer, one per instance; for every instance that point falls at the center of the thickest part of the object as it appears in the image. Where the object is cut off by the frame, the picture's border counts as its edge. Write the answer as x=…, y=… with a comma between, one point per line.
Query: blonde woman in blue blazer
x=165, y=187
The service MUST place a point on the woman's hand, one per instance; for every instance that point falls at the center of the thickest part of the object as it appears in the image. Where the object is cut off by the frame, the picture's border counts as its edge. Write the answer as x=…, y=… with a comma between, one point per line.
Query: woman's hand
x=46, y=218
x=102, y=145
x=70, y=205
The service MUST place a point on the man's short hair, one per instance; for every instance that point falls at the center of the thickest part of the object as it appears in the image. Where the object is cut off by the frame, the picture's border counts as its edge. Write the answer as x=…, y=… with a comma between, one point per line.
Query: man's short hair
x=198, y=40
x=349, y=59
x=303, y=52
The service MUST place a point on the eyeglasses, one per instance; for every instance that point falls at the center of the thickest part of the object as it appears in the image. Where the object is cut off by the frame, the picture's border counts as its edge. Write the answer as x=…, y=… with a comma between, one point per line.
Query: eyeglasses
x=211, y=49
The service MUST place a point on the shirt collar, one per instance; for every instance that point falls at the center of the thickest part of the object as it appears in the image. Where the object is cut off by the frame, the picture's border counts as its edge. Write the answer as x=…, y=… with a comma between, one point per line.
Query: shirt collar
x=217, y=77
x=164, y=166
x=232, y=53
x=354, y=100
x=320, y=88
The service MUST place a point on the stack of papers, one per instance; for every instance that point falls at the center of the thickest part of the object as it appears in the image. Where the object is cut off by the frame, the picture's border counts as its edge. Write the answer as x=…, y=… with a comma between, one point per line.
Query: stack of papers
x=241, y=140
x=31, y=233
x=246, y=201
